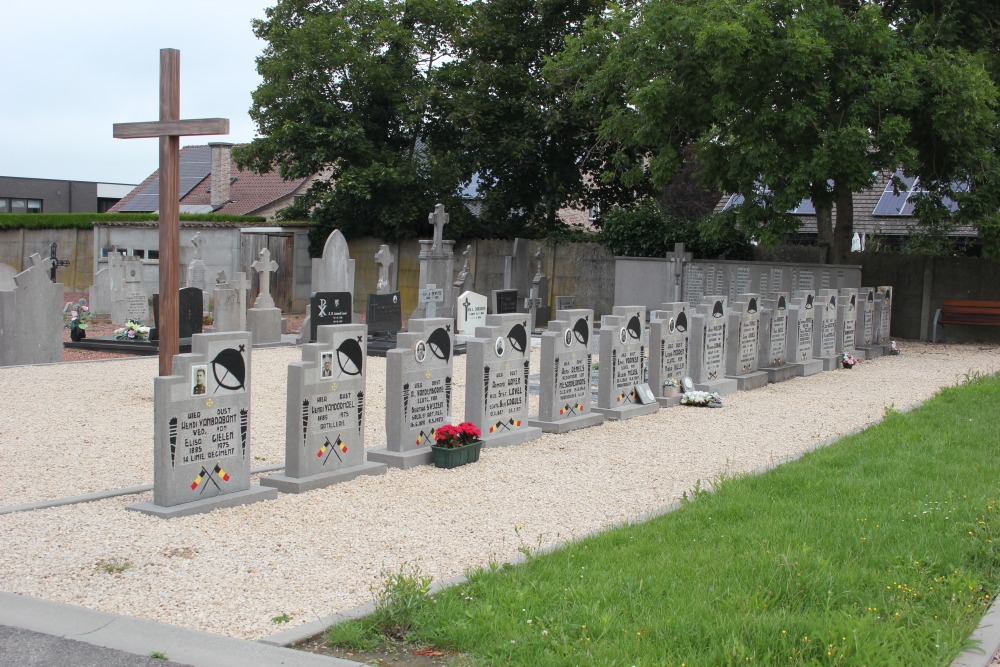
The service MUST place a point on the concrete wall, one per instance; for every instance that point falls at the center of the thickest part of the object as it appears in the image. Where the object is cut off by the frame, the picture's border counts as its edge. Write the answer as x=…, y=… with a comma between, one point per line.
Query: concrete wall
x=75, y=245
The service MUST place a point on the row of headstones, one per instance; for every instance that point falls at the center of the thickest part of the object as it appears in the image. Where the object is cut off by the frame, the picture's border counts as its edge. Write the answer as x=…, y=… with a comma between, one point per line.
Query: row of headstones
x=202, y=412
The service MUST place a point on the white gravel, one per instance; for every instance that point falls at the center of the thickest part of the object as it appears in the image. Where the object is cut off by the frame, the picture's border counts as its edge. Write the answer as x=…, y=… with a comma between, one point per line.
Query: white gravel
x=70, y=429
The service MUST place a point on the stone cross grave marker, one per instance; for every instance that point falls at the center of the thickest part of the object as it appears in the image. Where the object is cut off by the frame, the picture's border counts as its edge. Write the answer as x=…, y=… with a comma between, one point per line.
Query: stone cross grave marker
x=496, y=388
x=385, y=260
x=430, y=297
x=264, y=266
x=196, y=267
x=325, y=413
x=532, y=303
x=201, y=430
x=438, y=219
x=169, y=129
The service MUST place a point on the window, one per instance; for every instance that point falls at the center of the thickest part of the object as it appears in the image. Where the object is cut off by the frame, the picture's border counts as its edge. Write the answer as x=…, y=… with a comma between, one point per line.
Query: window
x=34, y=206
x=18, y=205
x=4, y=205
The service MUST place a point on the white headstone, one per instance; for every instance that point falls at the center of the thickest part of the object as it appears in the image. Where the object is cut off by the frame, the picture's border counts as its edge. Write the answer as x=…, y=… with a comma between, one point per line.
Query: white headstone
x=471, y=312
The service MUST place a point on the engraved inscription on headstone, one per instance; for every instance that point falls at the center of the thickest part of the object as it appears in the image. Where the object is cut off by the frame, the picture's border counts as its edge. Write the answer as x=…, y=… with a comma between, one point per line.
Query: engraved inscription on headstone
x=742, y=279
x=504, y=301
x=806, y=281
x=384, y=313
x=694, y=282
x=329, y=308
x=669, y=342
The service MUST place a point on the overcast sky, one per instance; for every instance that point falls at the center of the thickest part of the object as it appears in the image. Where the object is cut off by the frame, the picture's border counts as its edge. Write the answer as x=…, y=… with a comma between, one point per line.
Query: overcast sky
x=71, y=69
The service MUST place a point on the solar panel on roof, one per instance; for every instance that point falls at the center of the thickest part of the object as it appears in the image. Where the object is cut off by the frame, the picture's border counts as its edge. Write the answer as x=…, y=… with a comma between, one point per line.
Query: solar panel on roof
x=195, y=163
x=903, y=203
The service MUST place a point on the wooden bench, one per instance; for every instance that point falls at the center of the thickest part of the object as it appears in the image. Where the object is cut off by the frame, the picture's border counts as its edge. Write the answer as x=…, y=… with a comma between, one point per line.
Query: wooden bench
x=967, y=313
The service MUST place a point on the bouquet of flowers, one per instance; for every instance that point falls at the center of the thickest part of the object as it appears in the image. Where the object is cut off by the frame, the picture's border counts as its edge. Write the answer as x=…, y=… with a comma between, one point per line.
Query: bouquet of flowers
x=132, y=331
x=702, y=399
x=849, y=361
x=893, y=349
x=76, y=316
x=450, y=437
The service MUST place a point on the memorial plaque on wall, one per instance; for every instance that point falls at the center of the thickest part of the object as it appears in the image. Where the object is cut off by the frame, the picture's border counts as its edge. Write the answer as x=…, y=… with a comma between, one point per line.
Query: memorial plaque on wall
x=384, y=313
x=694, y=282
x=806, y=281
x=329, y=308
x=742, y=279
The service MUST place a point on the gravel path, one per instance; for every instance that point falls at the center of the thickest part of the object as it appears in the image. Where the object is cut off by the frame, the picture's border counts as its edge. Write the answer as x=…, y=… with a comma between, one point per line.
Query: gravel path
x=73, y=428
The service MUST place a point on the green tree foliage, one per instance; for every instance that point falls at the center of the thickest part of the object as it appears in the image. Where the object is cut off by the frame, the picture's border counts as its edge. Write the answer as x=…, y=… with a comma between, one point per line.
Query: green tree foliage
x=785, y=99
x=347, y=93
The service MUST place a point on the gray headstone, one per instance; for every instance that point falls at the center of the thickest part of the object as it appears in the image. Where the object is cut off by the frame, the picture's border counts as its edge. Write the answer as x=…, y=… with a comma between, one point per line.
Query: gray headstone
x=325, y=413
x=437, y=261
x=116, y=287
x=669, y=350
x=825, y=328
x=264, y=266
x=496, y=386
x=226, y=309
x=196, y=270
x=709, y=325
x=564, y=401
x=201, y=430
x=774, y=331
x=866, y=322
x=334, y=270
x=100, y=293
x=743, y=346
x=471, y=313
x=623, y=364
x=31, y=319
x=847, y=320
x=418, y=392
x=883, y=318
x=128, y=300
x=7, y=274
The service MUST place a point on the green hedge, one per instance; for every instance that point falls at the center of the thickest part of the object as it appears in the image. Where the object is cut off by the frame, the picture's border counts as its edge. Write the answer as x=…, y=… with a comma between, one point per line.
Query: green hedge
x=86, y=220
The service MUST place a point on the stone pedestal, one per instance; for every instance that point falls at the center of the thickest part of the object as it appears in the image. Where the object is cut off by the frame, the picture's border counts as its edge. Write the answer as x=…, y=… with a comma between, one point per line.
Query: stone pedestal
x=286, y=484
x=723, y=387
x=748, y=381
x=252, y=495
x=437, y=267
x=870, y=352
x=628, y=411
x=402, y=460
x=265, y=325
x=807, y=367
x=779, y=373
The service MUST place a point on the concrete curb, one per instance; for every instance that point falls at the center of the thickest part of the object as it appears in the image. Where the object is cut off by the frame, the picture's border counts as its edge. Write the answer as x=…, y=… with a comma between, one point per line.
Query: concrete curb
x=986, y=639
x=139, y=637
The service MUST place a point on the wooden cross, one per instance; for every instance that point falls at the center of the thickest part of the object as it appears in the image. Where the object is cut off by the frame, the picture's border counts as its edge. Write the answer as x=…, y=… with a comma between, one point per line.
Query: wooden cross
x=169, y=130
x=439, y=219
x=264, y=266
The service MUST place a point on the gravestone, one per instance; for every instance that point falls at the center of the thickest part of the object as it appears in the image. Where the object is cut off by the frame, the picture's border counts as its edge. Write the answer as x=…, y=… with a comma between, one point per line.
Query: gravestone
x=847, y=319
x=225, y=309
x=325, y=413
x=201, y=430
x=331, y=272
x=623, y=365
x=189, y=314
x=496, y=385
x=195, y=276
x=707, y=362
x=386, y=277
x=31, y=319
x=418, y=392
x=329, y=308
x=429, y=297
x=866, y=324
x=539, y=293
x=436, y=267
x=471, y=311
x=384, y=313
x=116, y=286
x=801, y=329
x=825, y=328
x=463, y=283
x=669, y=350
x=100, y=292
x=264, y=319
x=532, y=303
x=883, y=317
x=131, y=302
x=565, y=302
x=504, y=301
x=564, y=402
x=743, y=345
x=774, y=338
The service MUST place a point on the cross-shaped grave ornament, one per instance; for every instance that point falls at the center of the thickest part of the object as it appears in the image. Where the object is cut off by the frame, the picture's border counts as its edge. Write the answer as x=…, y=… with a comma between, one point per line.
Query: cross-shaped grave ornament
x=430, y=297
x=264, y=266
x=197, y=241
x=384, y=259
x=169, y=130
x=56, y=262
x=439, y=219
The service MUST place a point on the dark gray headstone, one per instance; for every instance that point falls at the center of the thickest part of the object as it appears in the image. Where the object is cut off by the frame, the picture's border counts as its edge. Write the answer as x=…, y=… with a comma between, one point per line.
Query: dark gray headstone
x=190, y=307
x=504, y=301
x=384, y=313
x=328, y=308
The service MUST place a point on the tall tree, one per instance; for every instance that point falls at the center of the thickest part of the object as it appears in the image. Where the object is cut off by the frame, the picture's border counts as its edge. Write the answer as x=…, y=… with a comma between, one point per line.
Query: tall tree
x=347, y=92
x=788, y=99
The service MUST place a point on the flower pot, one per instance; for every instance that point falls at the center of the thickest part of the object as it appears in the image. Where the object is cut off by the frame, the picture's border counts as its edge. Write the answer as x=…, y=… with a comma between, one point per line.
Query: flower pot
x=452, y=457
x=76, y=333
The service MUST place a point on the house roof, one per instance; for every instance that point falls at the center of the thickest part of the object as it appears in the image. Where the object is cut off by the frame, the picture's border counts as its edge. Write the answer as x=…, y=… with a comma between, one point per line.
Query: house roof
x=249, y=193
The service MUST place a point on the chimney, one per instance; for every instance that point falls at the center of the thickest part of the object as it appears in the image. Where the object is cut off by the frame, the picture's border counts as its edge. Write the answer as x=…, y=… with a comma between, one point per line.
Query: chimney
x=221, y=173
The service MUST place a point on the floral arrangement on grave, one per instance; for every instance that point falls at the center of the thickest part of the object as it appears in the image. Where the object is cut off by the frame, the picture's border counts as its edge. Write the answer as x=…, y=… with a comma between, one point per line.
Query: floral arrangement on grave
x=849, y=361
x=132, y=331
x=77, y=316
x=452, y=437
x=702, y=399
x=893, y=349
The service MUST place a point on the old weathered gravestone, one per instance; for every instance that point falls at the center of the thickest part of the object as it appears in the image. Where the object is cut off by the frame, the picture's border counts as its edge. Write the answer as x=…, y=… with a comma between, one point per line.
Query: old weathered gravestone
x=471, y=311
x=7, y=274
x=129, y=303
x=564, y=402
x=866, y=324
x=332, y=272
x=264, y=319
x=386, y=277
x=801, y=327
x=195, y=276
x=825, y=334
x=463, y=283
x=774, y=338
x=436, y=268
x=201, y=430
x=708, y=347
x=743, y=345
x=31, y=320
x=496, y=384
x=623, y=365
x=325, y=413
x=883, y=316
x=669, y=349
x=329, y=308
x=418, y=392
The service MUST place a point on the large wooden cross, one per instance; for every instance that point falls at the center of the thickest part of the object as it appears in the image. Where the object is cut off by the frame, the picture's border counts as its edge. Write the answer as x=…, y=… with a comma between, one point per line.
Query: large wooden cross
x=169, y=130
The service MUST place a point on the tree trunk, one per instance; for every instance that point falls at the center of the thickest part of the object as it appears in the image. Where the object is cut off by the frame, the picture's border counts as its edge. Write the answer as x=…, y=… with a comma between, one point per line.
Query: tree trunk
x=844, y=231
x=824, y=227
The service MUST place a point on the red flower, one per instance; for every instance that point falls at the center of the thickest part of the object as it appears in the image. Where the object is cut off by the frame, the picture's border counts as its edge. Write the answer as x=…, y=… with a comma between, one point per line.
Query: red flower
x=456, y=436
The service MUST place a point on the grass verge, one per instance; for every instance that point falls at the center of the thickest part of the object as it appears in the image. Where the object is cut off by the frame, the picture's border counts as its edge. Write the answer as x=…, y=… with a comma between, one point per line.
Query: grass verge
x=880, y=549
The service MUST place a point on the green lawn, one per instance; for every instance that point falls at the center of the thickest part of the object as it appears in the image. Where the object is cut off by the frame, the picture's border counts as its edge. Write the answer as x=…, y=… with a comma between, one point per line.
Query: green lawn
x=877, y=550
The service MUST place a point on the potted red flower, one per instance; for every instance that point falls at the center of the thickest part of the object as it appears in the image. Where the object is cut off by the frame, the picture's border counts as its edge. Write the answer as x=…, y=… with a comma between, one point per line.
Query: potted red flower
x=456, y=445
